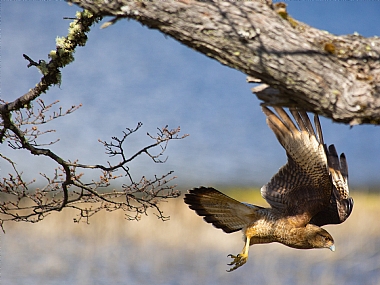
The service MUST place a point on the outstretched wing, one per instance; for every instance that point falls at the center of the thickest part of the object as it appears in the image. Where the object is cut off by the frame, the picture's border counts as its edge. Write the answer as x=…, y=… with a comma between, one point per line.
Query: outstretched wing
x=302, y=187
x=220, y=210
x=341, y=204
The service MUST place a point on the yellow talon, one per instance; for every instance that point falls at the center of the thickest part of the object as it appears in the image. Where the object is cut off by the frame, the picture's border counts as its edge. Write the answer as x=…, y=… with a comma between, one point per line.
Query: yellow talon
x=238, y=260
x=241, y=258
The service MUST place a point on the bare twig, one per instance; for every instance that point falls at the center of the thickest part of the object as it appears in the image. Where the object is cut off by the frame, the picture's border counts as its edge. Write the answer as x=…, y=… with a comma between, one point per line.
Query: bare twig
x=67, y=189
x=20, y=122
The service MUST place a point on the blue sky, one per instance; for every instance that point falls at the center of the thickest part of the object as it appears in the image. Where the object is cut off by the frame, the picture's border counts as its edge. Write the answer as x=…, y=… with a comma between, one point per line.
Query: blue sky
x=128, y=74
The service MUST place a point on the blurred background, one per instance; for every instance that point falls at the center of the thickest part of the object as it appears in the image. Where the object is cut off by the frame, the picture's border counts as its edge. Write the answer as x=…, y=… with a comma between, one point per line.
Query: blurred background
x=184, y=250
x=128, y=74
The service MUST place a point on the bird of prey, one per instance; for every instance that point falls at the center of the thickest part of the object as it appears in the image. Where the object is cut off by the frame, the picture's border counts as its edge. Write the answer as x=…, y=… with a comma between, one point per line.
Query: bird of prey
x=309, y=191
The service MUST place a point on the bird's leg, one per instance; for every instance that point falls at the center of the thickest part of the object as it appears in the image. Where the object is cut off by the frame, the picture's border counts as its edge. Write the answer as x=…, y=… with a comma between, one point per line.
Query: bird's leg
x=241, y=258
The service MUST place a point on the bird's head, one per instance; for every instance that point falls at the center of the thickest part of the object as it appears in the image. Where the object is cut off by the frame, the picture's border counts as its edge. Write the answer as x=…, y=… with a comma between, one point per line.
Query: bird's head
x=319, y=238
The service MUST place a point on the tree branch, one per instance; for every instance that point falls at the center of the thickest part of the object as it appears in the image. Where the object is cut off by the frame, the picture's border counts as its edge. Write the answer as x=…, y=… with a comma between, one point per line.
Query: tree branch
x=67, y=188
x=335, y=76
x=59, y=58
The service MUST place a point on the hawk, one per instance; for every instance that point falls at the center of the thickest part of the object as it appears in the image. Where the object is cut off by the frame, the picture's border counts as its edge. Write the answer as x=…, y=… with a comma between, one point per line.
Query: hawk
x=309, y=191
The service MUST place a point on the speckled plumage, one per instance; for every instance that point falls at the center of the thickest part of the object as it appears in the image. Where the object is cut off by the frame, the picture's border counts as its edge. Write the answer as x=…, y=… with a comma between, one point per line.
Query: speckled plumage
x=309, y=191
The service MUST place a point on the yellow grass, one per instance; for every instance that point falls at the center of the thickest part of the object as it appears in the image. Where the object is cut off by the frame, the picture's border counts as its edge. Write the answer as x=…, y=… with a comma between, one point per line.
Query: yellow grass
x=184, y=250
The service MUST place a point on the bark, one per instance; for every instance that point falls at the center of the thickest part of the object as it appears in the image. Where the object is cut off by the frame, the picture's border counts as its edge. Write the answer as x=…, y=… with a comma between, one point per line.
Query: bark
x=334, y=76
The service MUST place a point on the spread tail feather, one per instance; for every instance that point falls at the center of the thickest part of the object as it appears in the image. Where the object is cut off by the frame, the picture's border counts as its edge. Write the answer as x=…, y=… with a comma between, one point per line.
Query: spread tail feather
x=220, y=210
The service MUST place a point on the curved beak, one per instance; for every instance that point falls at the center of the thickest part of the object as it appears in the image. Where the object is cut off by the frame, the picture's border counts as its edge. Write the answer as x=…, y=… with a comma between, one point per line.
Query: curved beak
x=332, y=248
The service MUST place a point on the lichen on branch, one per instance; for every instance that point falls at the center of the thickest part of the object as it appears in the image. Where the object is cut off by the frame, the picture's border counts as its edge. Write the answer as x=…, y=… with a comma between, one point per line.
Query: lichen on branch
x=59, y=58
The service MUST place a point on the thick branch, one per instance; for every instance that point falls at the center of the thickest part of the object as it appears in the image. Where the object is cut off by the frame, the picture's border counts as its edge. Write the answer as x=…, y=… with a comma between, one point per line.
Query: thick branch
x=338, y=77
